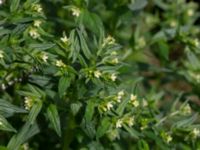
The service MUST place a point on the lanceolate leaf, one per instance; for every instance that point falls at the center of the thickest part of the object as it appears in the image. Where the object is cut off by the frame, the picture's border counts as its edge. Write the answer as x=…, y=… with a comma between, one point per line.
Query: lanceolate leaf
x=35, y=110
x=84, y=46
x=7, y=109
x=63, y=84
x=103, y=127
x=22, y=136
x=53, y=116
x=4, y=125
x=14, y=5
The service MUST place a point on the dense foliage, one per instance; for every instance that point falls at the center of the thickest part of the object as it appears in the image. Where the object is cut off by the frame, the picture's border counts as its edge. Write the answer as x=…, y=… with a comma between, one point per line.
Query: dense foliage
x=99, y=74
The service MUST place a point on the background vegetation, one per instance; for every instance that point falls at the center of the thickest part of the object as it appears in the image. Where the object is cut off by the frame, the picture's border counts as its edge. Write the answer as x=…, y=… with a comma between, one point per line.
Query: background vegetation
x=99, y=74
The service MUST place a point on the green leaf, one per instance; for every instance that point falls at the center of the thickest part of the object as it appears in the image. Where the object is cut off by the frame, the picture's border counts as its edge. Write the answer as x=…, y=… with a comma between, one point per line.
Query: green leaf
x=35, y=110
x=63, y=84
x=132, y=132
x=137, y=4
x=88, y=128
x=84, y=46
x=14, y=5
x=103, y=127
x=186, y=122
x=91, y=21
x=143, y=145
x=5, y=125
x=122, y=106
x=163, y=49
x=75, y=107
x=89, y=112
x=8, y=109
x=22, y=136
x=53, y=116
x=194, y=61
x=42, y=46
x=3, y=148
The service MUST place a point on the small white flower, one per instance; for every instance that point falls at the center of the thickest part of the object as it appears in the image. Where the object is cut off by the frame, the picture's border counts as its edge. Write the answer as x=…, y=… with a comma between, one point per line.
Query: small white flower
x=113, y=77
x=1, y=2
x=3, y=86
x=144, y=103
x=114, y=53
x=168, y=138
x=196, y=42
x=1, y=54
x=195, y=132
x=10, y=82
x=45, y=57
x=28, y=103
x=109, y=105
x=59, y=63
x=75, y=11
x=115, y=61
x=33, y=33
x=119, y=123
x=190, y=12
x=141, y=42
x=121, y=93
x=97, y=74
x=37, y=8
x=134, y=101
x=37, y=23
x=108, y=41
x=64, y=39
x=130, y=121
x=186, y=109
x=1, y=123
x=133, y=97
x=173, y=23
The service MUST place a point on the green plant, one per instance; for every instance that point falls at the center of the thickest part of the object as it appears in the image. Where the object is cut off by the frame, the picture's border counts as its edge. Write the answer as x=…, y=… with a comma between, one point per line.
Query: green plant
x=67, y=83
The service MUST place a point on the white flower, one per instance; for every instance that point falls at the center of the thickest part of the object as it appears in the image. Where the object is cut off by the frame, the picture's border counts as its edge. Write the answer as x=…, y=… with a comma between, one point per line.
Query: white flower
x=75, y=11
x=45, y=57
x=1, y=123
x=173, y=23
x=109, y=105
x=28, y=103
x=141, y=42
x=120, y=94
x=113, y=53
x=195, y=42
x=97, y=74
x=37, y=7
x=1, y=54
x=1, y=2
x=144, y=103
x=64, y=39
x=130, y=121
x=108, y=41
x=37, y=23
x=186, y=109
x=113, y=77
x=133, y=97
x=134, y=101
x=168, y=138
x=33, y=33
x=59, y=63
x=195, y=132
x=119, y=123
x=3, y=86
x=115, y=61
x=190, y=12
